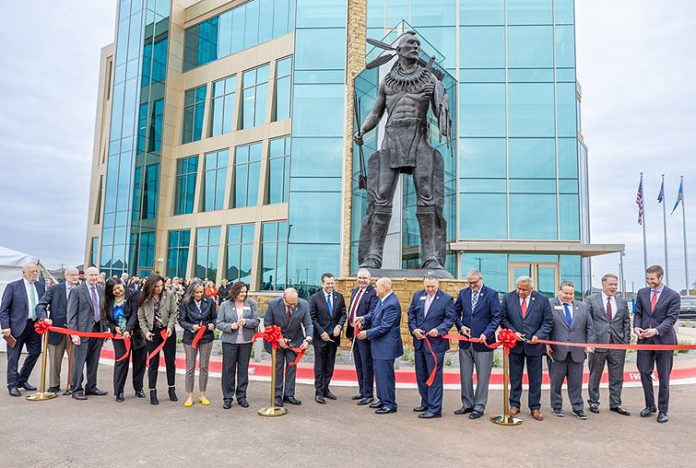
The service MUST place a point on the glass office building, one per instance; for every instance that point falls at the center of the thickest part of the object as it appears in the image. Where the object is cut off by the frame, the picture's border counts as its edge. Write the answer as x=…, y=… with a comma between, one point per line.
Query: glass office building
x=221, y=140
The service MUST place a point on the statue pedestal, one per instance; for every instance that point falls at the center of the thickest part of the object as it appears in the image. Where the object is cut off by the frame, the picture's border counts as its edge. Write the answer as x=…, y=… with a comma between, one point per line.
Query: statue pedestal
x=419, y=274
x=404, y=288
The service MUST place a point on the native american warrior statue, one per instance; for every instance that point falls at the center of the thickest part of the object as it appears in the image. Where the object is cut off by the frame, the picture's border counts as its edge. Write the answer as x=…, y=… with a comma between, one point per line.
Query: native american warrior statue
x=406, y=94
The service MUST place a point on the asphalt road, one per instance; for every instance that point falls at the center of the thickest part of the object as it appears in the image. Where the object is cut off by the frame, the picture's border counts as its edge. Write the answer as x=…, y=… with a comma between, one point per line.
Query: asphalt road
x=100, y=432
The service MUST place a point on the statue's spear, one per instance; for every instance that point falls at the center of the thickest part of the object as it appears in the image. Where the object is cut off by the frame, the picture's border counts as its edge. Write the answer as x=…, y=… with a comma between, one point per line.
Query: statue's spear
x=362, y=179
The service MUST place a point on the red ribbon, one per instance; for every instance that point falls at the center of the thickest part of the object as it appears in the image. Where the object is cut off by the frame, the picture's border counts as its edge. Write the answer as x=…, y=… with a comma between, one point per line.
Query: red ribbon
x=199, y=335
x=42, y=327
x=272, y=334
x=155, y=352
x=431, y=378
x=636, y=347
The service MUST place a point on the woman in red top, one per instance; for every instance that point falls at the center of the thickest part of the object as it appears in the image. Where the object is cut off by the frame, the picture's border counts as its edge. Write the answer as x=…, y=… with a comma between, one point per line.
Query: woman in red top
x=211, y=291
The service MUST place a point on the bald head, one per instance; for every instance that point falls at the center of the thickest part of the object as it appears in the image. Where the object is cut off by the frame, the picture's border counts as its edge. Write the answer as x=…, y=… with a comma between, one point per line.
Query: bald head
x=92, y=275
x=384, y=287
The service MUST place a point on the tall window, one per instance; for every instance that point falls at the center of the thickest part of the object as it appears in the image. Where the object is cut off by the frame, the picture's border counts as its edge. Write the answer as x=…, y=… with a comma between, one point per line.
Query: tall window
x=177, y=253
x=214, y=174
x=281, y=101
x=240, y=250
x=222, y=111
x=273, y=255
x=278, y=170
x=194, y=105
x=145, y=192
x=255, y=83
x=186, y=170
x=93, y=251
x=98, y=208
x=247, y=167
x=207, y=248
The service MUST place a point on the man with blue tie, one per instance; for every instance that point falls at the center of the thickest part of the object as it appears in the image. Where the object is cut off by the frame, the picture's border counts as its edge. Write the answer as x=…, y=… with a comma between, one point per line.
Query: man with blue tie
x=656, y=312
x=477, y=312
x=528, y=314
x=17, y=318
x=382, y=327
x=430, y=316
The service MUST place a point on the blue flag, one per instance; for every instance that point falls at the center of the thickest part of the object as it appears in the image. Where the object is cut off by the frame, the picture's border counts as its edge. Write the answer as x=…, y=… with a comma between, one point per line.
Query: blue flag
x=661, y=196
x=680, y=196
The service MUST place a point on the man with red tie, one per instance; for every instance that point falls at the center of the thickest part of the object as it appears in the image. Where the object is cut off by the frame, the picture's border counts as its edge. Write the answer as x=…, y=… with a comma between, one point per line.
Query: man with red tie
x=363, y=300
x=656, y=312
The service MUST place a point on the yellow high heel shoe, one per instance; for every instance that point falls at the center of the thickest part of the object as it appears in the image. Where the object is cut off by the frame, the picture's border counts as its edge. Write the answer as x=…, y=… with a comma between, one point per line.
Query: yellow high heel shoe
x=189, y=402
x=204, y=401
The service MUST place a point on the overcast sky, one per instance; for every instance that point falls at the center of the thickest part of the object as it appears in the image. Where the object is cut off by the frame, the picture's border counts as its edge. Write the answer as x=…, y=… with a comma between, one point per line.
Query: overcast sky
x=636, y=63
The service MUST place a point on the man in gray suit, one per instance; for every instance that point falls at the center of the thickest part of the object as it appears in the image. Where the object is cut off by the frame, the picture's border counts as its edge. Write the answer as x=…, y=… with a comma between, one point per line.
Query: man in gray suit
x=571, y=323
x=84, y=314
x=612, y=324
x=291, y=314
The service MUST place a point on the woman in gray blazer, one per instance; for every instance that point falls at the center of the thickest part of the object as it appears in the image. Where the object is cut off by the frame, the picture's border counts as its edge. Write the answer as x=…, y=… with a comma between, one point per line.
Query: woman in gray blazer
x=237, y=319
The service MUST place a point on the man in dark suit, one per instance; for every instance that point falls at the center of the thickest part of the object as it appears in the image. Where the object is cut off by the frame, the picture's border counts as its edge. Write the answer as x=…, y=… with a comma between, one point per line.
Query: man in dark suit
x=328, y=311
x=656, y=312
x=17, y=318
x=363, y=300
x=54, y=305
x=571, y=323
x=291, y=314
x=528, y=314
x=383, y=329
x=431, y=313
x=478, y=314
x=612, y=324
x=84, y=314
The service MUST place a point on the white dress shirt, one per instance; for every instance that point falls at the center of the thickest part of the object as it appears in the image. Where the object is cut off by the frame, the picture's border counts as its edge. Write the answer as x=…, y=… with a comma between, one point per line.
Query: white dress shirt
x=32, y=296
x=612, y=301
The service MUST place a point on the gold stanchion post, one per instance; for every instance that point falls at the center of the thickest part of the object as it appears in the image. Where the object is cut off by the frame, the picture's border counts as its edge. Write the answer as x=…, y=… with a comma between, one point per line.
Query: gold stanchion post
x=42, y=394
x=273, y=410
x=505, y=419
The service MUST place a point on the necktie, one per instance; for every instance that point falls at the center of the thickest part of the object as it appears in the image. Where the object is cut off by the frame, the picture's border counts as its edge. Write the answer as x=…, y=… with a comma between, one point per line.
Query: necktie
x=428, y=302
x=653, y=301
x=287, y=314
x=32, y=300
x=354, y=306
x=569, y=319
x=474, y=300
x=609, y=311
x=95, y=303
x=524, y=307
x=328, y=302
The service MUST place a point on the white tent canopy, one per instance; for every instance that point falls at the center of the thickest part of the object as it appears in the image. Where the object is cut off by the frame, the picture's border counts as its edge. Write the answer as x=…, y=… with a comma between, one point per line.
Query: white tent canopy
x=11, y=263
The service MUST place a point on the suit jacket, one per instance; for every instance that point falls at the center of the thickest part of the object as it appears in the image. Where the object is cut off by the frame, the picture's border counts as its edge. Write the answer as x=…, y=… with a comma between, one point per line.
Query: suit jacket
x=300, y=325
x=537, y=322
x=168, y=310
x=80, y=310
x=440, y=315
x=484, y=320
x=662, y=318
x=130, y=307
x=620, y=327
x=227, y=315
x=580, y=331
x=14, y=308
x=367, y=304
x=190, y=316
x=384, y=329
x=319, y=311
x=54, y=305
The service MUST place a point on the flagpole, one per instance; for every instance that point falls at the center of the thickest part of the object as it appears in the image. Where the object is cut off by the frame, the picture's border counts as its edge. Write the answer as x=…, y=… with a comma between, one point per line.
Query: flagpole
x=664, y=226
x=686, y=255
x=645, y=244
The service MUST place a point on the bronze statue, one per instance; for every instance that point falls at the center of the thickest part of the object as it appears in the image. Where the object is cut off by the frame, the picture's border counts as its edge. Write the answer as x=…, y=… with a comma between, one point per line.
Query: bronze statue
x=406, y=94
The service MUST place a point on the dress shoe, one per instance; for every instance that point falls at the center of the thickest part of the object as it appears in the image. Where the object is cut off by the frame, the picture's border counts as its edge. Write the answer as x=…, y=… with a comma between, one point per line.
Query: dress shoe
x=365, y=401
x=594, y=408
x=621, y=410
x=580, y=414
x=463, y=410
x=27, y=386
x=292, y=400
x=329, y=395
x=55, y=389
x=357, y=397
x=14, y=391
x=536, y=414
x=320, y=399
x=647, y=412
x=420, y=409
x=662, y=417
x=376, y=404
x=227, y=403
x=153, y=397
x=384, y=410
x=278, y=402
x=558, y=413
x=68, y=391
x=514, y=410
x=172, y=394
x=475, y=414
x=119, y=397
x=96, y=392
x=79, y=396
x=243, y=403
x=140, y=393
x=428, y=415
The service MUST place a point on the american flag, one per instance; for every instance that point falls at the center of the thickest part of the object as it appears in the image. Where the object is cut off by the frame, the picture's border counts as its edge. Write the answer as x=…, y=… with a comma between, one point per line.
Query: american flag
x=639, y=201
